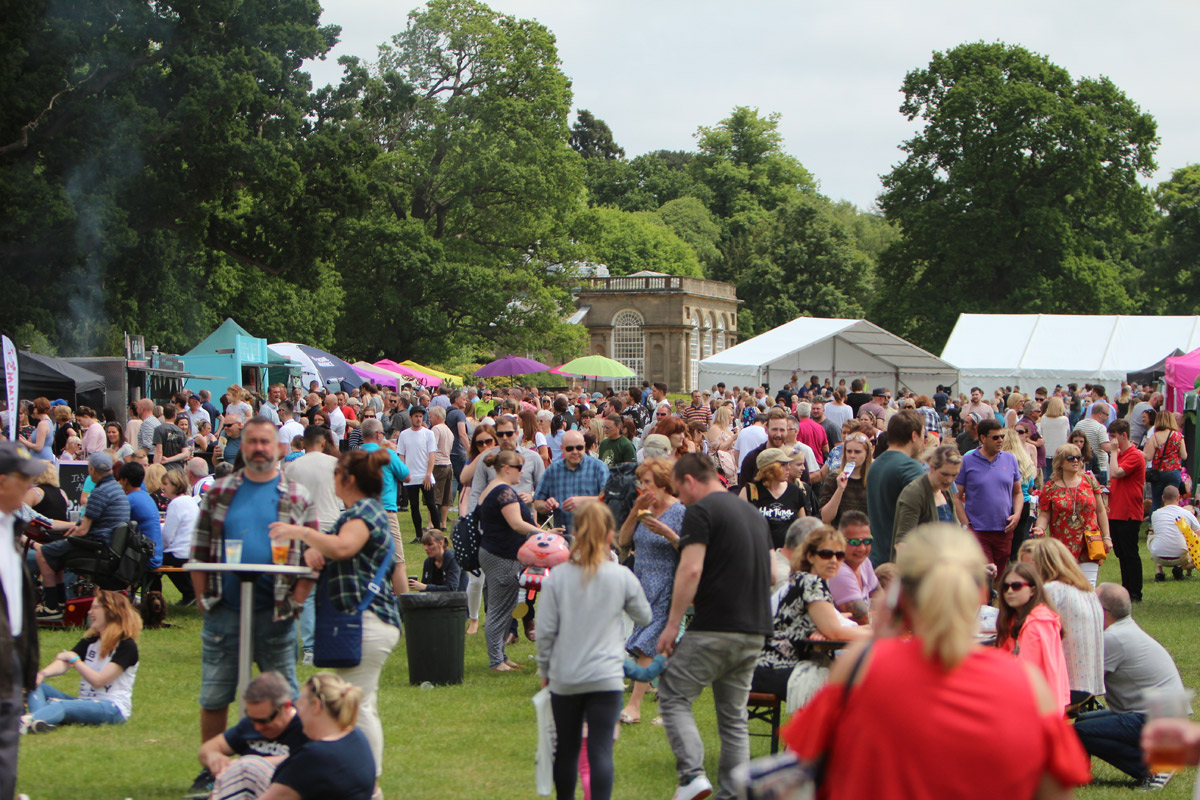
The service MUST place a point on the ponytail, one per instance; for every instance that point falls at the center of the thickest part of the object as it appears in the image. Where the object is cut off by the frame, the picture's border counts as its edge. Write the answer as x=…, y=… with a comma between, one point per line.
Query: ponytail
x=942, y=574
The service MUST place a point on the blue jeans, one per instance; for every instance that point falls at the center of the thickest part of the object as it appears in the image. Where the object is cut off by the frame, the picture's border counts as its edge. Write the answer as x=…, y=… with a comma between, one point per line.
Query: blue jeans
x=274, y=648
x=1115, y=738
x=59, y=708
x=1169, y=477
x=308, y=621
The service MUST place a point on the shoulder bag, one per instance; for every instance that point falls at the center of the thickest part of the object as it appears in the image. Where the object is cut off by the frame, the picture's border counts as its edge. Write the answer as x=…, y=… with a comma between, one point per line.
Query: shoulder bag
x=1154, y=471
x=337, y=635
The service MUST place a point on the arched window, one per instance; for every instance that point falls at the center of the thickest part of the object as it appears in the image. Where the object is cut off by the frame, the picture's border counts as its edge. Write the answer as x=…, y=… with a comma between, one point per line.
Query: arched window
x=628, y=346
x=695, y=359
x=706, y=342
x=719, y=340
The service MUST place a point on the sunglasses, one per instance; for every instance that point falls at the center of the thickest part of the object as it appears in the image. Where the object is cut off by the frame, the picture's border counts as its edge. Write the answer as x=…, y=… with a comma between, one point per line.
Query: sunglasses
x=1074, y=458
x=571, y=448
x=1022, y=431
x=828, y=554
x=506, y=433
x=860, y=542
x=265, y=720
x=485, y=442
x=1015, y=586
x=997, y=437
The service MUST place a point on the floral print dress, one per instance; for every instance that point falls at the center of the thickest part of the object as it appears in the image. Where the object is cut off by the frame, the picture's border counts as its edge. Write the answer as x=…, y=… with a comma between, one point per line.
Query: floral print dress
x=1072, y=513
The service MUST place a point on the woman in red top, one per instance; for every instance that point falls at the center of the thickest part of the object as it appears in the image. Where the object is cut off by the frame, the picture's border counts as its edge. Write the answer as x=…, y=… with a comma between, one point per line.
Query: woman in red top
x=1029, y=628
x=1070, y=506
x=937, y=715
x=1165, y=451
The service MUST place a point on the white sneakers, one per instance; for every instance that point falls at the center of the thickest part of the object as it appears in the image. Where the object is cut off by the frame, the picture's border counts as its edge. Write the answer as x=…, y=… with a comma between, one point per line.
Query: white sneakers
x=697, y=788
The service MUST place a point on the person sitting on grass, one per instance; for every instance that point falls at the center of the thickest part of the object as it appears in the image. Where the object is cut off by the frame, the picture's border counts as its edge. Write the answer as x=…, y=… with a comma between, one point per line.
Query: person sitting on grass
x=441, y=572
x=106, y=659
x=270, y=732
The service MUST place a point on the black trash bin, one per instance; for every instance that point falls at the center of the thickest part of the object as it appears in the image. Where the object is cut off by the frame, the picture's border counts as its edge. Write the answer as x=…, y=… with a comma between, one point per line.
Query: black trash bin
x=436, y=635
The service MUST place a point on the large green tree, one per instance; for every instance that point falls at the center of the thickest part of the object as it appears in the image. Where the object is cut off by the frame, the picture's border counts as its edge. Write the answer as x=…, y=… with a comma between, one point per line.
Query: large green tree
x=1173, y=266
x=1020, y=193
x=629, y=241
x=471, y=194
x=150, y=148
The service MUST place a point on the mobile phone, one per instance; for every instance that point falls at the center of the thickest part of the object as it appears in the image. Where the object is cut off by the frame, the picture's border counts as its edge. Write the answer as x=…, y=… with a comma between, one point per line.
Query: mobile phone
x=848, y=470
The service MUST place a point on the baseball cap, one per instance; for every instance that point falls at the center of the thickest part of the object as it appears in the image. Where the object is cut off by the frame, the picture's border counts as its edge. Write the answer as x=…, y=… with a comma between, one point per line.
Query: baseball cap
x=597, y=396
x=657, y=446
x=101, y=462
x=975, y=417
x=878, y=391
x=16, y=457
x=772, y=455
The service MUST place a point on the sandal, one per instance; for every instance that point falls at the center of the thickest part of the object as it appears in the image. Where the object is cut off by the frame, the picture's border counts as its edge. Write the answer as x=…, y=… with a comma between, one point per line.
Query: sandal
x=628, y=720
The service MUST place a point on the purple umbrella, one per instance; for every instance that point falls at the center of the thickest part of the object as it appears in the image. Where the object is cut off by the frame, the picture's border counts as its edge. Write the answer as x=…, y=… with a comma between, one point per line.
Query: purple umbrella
x=510, y=365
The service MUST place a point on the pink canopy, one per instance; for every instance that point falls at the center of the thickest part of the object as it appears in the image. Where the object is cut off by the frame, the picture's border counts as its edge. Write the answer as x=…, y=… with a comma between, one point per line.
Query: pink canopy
x=375, y=374
x=1181, y=378
x=416, y=375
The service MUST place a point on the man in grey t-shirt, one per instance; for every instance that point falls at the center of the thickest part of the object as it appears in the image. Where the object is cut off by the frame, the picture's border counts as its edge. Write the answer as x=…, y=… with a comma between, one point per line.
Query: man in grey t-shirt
x=1133, y=663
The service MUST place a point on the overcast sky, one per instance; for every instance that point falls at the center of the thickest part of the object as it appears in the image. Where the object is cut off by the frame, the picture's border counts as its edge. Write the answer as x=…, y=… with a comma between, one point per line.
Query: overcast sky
x=655, y=70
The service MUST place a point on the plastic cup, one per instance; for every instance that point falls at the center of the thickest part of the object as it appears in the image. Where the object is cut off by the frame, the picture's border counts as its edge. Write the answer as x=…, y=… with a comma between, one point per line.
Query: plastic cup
x=1167, y=756
x=279, y=552
x=233, y=551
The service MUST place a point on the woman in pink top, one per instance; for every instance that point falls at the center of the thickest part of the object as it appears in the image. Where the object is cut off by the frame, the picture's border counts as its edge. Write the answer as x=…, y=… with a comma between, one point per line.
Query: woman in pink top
x=1029, y=627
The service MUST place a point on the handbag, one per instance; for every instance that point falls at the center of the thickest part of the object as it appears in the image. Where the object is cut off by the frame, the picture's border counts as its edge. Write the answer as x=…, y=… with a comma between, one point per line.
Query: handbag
x=1095, y=546
x=337, y=635
x=1153, y=472
x=465, y=539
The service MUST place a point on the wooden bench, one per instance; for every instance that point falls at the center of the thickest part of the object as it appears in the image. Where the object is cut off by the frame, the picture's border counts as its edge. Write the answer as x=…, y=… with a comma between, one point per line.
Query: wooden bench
x=766, y=708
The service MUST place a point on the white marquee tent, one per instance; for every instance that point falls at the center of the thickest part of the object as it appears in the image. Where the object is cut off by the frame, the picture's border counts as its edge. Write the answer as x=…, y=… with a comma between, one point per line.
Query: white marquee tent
x=1002, y=349
x=828, y=348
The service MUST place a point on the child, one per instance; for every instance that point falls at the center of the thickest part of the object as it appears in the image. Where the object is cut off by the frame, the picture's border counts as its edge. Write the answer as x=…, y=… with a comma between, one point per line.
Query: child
x=1028, y=627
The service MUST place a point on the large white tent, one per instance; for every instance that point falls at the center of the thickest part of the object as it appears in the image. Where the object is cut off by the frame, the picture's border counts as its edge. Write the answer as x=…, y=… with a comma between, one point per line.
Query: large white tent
x=1002, y=349
x=828, y=348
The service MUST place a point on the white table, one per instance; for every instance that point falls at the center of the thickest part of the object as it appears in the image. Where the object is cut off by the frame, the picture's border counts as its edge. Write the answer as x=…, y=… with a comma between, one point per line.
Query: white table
x=247, y=574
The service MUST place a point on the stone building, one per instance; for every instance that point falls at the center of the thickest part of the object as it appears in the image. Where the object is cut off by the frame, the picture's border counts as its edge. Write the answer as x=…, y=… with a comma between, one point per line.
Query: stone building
x=658, y=325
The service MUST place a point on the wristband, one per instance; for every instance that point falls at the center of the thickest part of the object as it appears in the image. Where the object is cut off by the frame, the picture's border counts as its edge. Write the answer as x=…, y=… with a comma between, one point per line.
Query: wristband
x=73, y=660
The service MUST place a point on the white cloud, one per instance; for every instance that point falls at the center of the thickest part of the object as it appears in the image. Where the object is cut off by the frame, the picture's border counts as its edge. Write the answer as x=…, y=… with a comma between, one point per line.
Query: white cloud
x=655, y=70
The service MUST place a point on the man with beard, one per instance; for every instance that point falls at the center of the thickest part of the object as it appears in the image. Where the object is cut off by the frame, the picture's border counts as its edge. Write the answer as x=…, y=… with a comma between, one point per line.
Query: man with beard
x=241, y=507
x=777, y=428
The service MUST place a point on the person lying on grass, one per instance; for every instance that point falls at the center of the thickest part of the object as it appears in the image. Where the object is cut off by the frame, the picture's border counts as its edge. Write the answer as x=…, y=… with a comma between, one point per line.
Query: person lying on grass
x=106, y=659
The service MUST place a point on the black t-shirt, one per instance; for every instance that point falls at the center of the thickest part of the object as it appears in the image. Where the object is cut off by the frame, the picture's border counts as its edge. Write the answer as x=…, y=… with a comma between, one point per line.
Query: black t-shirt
x=343, y=769
x=244, y=739
x=779, y=512
x=735, y=587
x=453, y=417
x=857, y=400
x=172, y=440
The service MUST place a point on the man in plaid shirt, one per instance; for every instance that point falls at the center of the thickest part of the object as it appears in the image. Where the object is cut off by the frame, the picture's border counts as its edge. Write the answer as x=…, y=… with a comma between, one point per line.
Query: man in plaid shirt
x=698, y=411
x=242, y=506
x=571, y=480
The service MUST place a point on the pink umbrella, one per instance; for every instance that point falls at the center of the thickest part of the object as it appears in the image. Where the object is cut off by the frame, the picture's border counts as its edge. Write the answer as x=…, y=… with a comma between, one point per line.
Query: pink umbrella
x=376, y=374
x=417, y=375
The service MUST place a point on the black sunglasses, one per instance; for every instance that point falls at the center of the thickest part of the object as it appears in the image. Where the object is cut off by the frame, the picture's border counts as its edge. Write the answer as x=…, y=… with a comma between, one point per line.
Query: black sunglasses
x=1015, y=586
x=485, y=441
x=828, y=554
x=506, y=433
x=1074, y=458
x=860, y=542
x=267, y=720
x=996, y=437
x=571, y=448
x=1022, y=431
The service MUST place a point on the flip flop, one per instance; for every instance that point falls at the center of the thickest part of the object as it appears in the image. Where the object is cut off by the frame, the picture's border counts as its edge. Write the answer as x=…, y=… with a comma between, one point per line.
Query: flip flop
x=628, y=720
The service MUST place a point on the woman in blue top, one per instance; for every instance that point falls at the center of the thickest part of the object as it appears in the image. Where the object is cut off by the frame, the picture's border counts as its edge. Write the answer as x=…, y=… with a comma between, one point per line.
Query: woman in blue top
x=42, y=440
x=336, y=763
x=1016, y=442
x=653, y=528
x=505, y=520
x=349, y=558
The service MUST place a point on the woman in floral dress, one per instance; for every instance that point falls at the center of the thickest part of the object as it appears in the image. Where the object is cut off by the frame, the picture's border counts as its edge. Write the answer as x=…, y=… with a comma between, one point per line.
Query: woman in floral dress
x=1070, y=506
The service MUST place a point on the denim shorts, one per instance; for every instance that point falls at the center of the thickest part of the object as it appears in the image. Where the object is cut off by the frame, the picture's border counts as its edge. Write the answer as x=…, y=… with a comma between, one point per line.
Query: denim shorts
x=274, y=649
x=57, y=552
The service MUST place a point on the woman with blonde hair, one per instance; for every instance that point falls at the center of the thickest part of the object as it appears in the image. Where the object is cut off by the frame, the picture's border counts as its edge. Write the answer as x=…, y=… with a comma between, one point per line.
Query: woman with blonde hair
x=1165, y=452
x=581, y=648
x=336, y=764
x=721, y=441
x=943, y=689
x=778, y=499
x=1081, y=615
x=1055, y=427
x=153, y=485
x=1071, y=508
x=845, y=488
x=106, y=659
x=1027, y=465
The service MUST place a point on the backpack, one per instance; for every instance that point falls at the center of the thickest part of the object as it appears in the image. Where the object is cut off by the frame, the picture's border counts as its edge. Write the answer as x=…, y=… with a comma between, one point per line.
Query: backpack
x=620, y=492
x=465, y=539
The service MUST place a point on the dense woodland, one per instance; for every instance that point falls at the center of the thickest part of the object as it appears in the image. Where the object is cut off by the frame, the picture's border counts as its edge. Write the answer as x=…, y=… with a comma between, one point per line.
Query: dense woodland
x=168, y=164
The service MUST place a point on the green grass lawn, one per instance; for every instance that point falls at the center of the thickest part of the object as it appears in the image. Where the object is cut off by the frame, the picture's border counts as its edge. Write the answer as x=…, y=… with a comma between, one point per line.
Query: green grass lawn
x=475, y=740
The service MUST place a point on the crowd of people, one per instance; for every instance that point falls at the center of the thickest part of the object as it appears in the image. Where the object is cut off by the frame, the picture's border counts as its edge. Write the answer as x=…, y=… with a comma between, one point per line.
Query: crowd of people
x=868, y=535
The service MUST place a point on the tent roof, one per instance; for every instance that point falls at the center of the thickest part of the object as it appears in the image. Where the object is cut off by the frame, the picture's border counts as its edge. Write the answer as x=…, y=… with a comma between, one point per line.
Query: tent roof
x=53, y=370
x=221, y=338
x=1052, y=345
x=901, y=355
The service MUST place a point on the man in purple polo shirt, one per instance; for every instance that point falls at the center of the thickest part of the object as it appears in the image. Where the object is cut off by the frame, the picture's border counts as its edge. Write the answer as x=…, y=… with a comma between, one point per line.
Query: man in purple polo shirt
x=989, y=495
